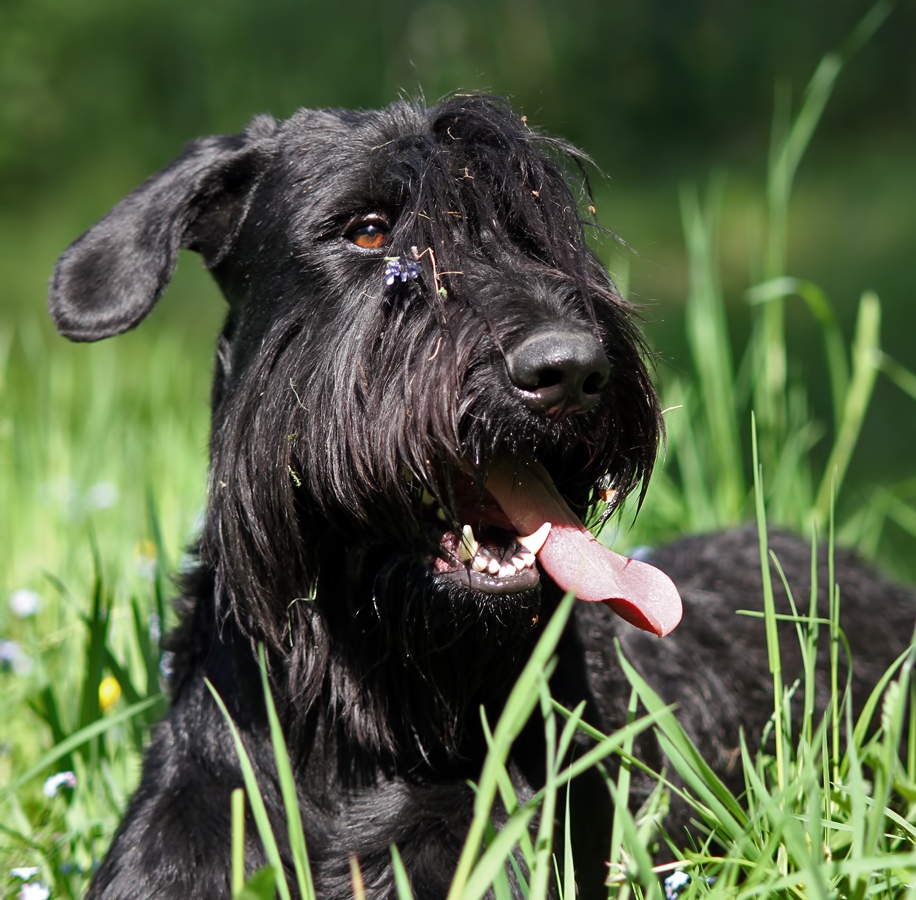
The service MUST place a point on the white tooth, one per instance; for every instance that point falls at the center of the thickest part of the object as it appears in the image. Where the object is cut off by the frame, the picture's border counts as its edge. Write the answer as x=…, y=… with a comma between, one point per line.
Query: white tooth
x=493, y=566
x=527, y=558
x=467, y=547
x=504, y=571
x=518, y=563
x=534, y=542
x=480, y=564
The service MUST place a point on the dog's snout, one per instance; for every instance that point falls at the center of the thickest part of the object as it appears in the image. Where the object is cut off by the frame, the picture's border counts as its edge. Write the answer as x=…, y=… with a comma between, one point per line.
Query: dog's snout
x=559, y=370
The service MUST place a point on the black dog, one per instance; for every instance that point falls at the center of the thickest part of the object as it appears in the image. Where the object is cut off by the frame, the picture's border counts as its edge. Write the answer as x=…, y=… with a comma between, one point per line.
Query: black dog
x=422, y=365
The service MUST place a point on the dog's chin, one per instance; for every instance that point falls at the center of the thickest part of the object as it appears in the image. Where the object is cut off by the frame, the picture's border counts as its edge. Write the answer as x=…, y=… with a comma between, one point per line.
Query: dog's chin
x=452, y=592
x=515, y=602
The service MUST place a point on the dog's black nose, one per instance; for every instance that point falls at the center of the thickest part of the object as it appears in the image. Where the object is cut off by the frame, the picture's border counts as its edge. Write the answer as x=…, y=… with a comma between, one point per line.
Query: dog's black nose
x=559, y=370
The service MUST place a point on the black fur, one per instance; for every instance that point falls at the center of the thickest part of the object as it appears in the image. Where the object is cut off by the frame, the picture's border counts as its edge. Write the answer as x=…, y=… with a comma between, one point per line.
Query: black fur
x=338, y=402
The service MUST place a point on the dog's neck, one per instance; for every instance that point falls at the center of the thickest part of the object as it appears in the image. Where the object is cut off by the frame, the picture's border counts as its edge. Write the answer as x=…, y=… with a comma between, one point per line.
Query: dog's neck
x=403, y=684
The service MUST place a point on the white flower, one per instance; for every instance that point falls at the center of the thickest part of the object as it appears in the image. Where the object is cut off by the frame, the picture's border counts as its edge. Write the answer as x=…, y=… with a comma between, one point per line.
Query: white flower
x=25, y=872
x=24, y=603
x=34, y=890
x=56, y=782
x=101, y=496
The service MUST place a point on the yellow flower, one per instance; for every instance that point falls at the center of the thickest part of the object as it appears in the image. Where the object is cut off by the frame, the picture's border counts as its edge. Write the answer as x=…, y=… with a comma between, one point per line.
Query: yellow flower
x=109, y=692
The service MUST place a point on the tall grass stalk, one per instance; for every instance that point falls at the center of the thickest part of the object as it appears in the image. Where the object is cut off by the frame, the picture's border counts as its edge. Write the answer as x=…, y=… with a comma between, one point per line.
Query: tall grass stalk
x=769, y=611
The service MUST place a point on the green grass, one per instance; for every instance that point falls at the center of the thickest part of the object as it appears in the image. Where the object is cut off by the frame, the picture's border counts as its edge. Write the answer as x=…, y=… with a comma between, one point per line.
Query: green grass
x=102, y=477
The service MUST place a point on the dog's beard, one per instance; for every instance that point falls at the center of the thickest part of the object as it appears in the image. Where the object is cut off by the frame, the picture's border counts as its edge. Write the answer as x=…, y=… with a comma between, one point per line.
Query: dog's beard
x=367, y=447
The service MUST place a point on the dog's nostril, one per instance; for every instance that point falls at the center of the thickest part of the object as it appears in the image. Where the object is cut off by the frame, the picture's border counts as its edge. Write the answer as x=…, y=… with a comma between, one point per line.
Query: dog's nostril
x=549, y=378
x=594, y=383
x=559, y=369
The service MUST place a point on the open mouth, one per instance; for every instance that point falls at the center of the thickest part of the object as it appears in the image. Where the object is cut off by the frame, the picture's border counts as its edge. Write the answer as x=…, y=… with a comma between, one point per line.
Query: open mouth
x=496, y=560
x=523, y=525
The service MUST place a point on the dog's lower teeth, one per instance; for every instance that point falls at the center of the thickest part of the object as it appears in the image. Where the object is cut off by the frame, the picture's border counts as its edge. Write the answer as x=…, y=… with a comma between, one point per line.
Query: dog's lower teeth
x=484, y=561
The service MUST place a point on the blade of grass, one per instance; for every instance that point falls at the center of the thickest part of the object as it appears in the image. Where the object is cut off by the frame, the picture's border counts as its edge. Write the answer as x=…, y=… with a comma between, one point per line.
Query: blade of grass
x=76, y=740
x=623, y=785
x=401, y=880
x=690, y=763
x=238, y=841
x=497, y=852
x=903, y=378
x=507, y=790
x=522, y=700
x=707, y=331
x=356, y=880
x=606, y=745
x=769, y=608
x=540, y=873
x=864, y=373
x=820, y=308
x=287, y=789
x=97, y=623
x=256, y=801
x=569, y=877
x=641, y=862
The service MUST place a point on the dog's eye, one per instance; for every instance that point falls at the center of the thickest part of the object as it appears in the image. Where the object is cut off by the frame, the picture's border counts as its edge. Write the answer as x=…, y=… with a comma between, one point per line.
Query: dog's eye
x=368, y=233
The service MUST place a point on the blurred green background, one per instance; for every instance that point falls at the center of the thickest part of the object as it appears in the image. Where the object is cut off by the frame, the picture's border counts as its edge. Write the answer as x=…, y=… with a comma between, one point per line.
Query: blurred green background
x=96, y=95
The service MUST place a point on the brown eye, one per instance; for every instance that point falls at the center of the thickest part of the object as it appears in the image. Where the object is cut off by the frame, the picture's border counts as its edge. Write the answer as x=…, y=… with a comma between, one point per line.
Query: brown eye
x=370, y=234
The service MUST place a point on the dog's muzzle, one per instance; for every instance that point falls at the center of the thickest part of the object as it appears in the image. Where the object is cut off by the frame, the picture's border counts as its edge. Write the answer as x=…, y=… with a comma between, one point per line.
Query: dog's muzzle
x=526, y=521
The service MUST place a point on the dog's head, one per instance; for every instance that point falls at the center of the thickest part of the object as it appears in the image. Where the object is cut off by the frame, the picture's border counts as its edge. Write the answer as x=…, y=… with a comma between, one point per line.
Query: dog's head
x=422, y=362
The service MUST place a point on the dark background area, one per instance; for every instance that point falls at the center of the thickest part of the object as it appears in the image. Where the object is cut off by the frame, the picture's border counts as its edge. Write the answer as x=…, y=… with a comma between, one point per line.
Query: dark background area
x=96, y=95
x=651, y=88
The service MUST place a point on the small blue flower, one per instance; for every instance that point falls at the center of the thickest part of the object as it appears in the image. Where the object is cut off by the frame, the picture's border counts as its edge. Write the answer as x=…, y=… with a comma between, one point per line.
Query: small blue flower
x=56, y=782
x=14, y=659
x=675, y=883
x=403, y=269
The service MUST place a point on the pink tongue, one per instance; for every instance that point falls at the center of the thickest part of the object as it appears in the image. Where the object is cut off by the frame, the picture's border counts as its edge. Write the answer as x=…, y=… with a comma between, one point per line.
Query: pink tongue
x=636, y=591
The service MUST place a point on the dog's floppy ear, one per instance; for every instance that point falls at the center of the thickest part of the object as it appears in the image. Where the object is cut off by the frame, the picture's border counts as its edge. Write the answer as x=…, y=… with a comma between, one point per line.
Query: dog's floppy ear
x=111, y=277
